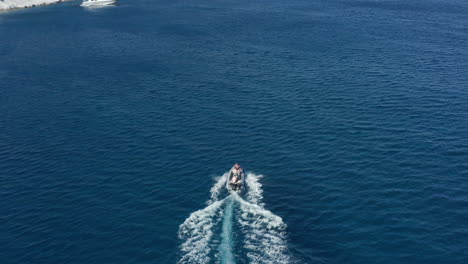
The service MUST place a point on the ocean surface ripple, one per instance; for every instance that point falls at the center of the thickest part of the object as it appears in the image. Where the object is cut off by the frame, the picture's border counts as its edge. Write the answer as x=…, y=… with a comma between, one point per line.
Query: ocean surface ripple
x=115, y=121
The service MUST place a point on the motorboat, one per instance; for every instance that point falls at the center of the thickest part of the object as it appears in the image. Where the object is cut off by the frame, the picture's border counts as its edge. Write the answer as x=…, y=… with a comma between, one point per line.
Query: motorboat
x=235, y=178
x=97, y=2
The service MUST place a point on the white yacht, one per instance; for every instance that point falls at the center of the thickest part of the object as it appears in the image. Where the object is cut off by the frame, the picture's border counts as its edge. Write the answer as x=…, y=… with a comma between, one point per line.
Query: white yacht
x=97, y=2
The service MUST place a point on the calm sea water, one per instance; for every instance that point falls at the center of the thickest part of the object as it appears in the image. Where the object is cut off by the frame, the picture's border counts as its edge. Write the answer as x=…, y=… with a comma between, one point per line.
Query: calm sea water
x=116, y=123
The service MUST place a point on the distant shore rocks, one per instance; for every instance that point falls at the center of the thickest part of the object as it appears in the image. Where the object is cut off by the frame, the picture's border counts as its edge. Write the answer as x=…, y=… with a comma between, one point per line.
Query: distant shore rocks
x=16, y=4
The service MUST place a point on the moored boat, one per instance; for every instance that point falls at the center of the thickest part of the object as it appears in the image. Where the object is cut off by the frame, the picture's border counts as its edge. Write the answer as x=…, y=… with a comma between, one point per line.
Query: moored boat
x=97, y=2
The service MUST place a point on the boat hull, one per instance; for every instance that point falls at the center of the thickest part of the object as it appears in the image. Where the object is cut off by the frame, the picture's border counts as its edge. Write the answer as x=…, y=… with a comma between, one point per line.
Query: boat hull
x=98, y=3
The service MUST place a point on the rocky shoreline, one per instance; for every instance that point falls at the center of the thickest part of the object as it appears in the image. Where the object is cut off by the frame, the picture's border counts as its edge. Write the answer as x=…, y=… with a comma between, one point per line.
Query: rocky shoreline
x=17, y=4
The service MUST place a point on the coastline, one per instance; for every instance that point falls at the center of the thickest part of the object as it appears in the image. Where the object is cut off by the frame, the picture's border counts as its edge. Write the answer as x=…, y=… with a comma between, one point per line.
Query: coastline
x=6, y=5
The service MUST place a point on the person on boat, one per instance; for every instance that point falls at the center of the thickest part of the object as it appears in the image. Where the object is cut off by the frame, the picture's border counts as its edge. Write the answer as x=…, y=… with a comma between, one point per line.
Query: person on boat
x=234, y=178
x=235, y=175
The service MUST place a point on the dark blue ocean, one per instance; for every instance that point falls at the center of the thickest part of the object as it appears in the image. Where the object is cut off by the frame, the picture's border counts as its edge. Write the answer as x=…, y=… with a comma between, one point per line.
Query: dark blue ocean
x=350, y=118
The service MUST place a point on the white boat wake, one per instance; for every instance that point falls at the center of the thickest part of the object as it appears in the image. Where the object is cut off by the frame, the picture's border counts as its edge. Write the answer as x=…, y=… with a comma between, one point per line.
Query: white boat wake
x=208, y=235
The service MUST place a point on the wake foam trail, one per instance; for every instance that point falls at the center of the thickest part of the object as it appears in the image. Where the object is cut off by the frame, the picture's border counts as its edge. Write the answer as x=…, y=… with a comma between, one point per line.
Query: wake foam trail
x=197, y=233
x=217, y=188
x=227, y=242
x=197, y=229
x=255, y=192
x=263, y=233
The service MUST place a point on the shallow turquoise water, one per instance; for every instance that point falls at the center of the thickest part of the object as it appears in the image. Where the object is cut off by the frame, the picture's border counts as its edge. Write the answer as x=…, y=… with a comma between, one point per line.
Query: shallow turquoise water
x=115, y=124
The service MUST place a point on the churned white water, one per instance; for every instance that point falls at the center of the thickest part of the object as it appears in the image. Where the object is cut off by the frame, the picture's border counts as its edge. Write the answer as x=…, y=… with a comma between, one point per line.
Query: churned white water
x=208, y=235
